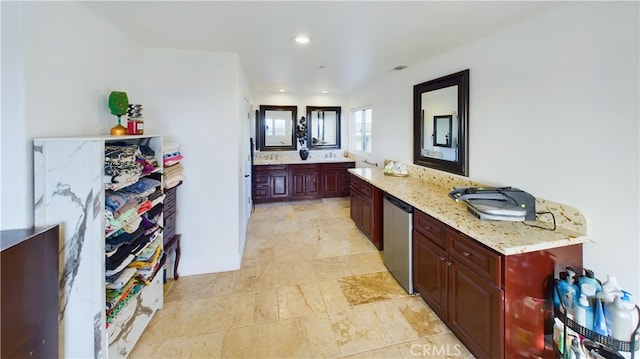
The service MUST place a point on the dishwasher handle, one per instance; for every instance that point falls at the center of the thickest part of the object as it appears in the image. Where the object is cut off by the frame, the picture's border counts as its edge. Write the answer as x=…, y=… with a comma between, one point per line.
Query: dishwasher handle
x=398, y=203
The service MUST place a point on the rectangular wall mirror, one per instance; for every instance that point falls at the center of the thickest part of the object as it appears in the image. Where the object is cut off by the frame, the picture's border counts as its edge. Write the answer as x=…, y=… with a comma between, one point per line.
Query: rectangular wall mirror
x=441, y=122
x=276, y=128
x=323, y=125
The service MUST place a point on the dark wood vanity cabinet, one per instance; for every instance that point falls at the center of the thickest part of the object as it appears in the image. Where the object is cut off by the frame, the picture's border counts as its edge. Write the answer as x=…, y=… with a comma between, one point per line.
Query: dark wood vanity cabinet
x=476, y=302
x=366, y=210
x=270, y=183
x=430, y=273
x=289, y=182
x=497, y=305
x=336, y=181
x=305, y=181
x=451, y=273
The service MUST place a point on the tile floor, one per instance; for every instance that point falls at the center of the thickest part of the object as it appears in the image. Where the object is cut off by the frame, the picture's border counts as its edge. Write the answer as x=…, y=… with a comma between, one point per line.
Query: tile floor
x=311, y=286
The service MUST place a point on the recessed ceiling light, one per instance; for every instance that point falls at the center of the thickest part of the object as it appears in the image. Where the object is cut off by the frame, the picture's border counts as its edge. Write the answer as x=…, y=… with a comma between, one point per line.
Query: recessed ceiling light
x=400, y=67
x=282, y=90
x=325, y=91
x=302, y=39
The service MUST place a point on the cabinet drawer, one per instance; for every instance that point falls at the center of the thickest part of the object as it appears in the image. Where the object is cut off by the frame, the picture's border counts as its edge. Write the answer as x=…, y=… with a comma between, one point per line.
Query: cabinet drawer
x=170, y=195
x=481, y=260
x=430, y=227
x=366, y=189
x=169, y=227
x=262, y=178
x=261, y=191
x=169, y=209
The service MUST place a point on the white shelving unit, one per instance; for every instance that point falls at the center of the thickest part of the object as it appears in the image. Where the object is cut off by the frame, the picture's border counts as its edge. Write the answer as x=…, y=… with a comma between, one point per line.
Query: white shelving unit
x=69, y=188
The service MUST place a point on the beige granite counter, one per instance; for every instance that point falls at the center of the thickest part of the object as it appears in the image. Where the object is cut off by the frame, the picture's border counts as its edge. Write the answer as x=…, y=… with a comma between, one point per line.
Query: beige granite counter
x=428, y=192
x=294, y=161
x=293, y=157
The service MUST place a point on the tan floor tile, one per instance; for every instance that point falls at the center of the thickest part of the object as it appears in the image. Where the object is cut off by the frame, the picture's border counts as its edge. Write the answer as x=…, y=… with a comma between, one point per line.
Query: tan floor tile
x=340, y=212
x=408, y=318
x=442, y=346
x=176, y=348
x=284, y=227
x=370, y=287
x=382, y=353
x=299, y=300
x=453, y=346
x=311, y=286
x=281, y=339
x=207, y=346
x=358, y=329
x=321, y=337
x=167, y=323
x=335, y=244
x=368, y=262
x=266, y=306
x=332, y=294
x=330, y=268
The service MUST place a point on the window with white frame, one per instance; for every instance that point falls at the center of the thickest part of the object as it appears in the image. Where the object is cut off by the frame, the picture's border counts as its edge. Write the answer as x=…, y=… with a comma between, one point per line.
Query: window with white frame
x=361, y=129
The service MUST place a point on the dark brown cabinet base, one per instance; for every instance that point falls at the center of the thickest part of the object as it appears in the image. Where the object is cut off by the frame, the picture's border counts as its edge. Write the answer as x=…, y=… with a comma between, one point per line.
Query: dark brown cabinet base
x=292, y=182
x=30, y=293
x=366, y=210
x=497, y=305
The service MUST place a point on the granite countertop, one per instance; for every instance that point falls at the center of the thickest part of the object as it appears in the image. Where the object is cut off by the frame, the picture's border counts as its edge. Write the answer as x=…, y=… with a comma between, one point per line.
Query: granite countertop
x=291, y=161
x=503, y=236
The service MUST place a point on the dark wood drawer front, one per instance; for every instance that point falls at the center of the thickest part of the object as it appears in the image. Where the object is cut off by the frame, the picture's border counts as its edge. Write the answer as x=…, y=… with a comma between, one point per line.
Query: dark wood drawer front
x=261, y=178
x=355, y=182
x=169, y=227
x=481, y=260
x=169, y=208
x=430, y=227
x=366, y=189
x=262, y=191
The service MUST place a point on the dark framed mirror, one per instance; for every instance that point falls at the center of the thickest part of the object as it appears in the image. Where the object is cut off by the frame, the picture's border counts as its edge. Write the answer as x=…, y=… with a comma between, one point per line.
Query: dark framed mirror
x=323, y=125
x=442, y=130
x=441, y=108
x=276, y=128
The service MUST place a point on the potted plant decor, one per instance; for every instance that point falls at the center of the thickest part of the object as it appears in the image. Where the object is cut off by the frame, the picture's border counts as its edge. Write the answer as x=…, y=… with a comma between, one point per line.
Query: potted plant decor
x=301, y=134
x=118, y=104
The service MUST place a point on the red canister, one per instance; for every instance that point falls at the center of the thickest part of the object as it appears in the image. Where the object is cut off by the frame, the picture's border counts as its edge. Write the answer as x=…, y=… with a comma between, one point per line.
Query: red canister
x=135, y=126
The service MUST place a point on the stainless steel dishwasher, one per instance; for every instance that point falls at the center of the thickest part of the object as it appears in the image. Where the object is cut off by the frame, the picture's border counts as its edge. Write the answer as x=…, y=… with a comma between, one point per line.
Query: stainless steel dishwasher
x=396, y=240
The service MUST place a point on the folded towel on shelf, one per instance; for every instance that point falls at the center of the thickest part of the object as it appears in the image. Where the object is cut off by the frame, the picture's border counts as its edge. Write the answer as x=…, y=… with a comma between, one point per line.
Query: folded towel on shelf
x=170, y=147
x=122, y=279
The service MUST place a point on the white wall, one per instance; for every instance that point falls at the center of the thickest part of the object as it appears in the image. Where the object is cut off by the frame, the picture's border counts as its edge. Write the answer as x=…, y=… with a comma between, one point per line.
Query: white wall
x=193, y=99
x=554, y=110
x=59, y=64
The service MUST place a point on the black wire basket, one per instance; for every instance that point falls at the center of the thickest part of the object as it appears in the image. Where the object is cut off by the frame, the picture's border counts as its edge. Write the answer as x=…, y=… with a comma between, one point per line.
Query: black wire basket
x=625, y=346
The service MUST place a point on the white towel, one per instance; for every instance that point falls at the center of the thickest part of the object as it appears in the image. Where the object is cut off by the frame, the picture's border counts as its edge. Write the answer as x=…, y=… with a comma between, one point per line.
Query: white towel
x=170, y=147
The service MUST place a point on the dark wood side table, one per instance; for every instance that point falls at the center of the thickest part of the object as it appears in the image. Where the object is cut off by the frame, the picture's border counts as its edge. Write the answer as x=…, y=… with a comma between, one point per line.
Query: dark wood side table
x=29, y=262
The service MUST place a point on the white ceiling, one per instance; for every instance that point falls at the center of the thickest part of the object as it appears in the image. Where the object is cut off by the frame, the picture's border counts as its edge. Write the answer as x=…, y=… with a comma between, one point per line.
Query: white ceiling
x=356, y=41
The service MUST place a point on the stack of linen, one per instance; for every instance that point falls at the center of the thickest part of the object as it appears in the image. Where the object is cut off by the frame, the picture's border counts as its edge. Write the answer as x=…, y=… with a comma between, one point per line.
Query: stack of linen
x=133, y=242
x=124, y=164
x=173, y=170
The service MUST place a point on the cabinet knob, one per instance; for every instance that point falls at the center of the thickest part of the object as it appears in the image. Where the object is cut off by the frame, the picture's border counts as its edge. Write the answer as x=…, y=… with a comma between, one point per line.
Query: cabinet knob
x=442, y=258
x=449, y=263
x=466, y=254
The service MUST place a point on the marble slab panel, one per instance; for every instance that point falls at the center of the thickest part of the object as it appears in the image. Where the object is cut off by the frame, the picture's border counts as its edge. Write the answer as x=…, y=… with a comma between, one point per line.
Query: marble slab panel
x=68, y=191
